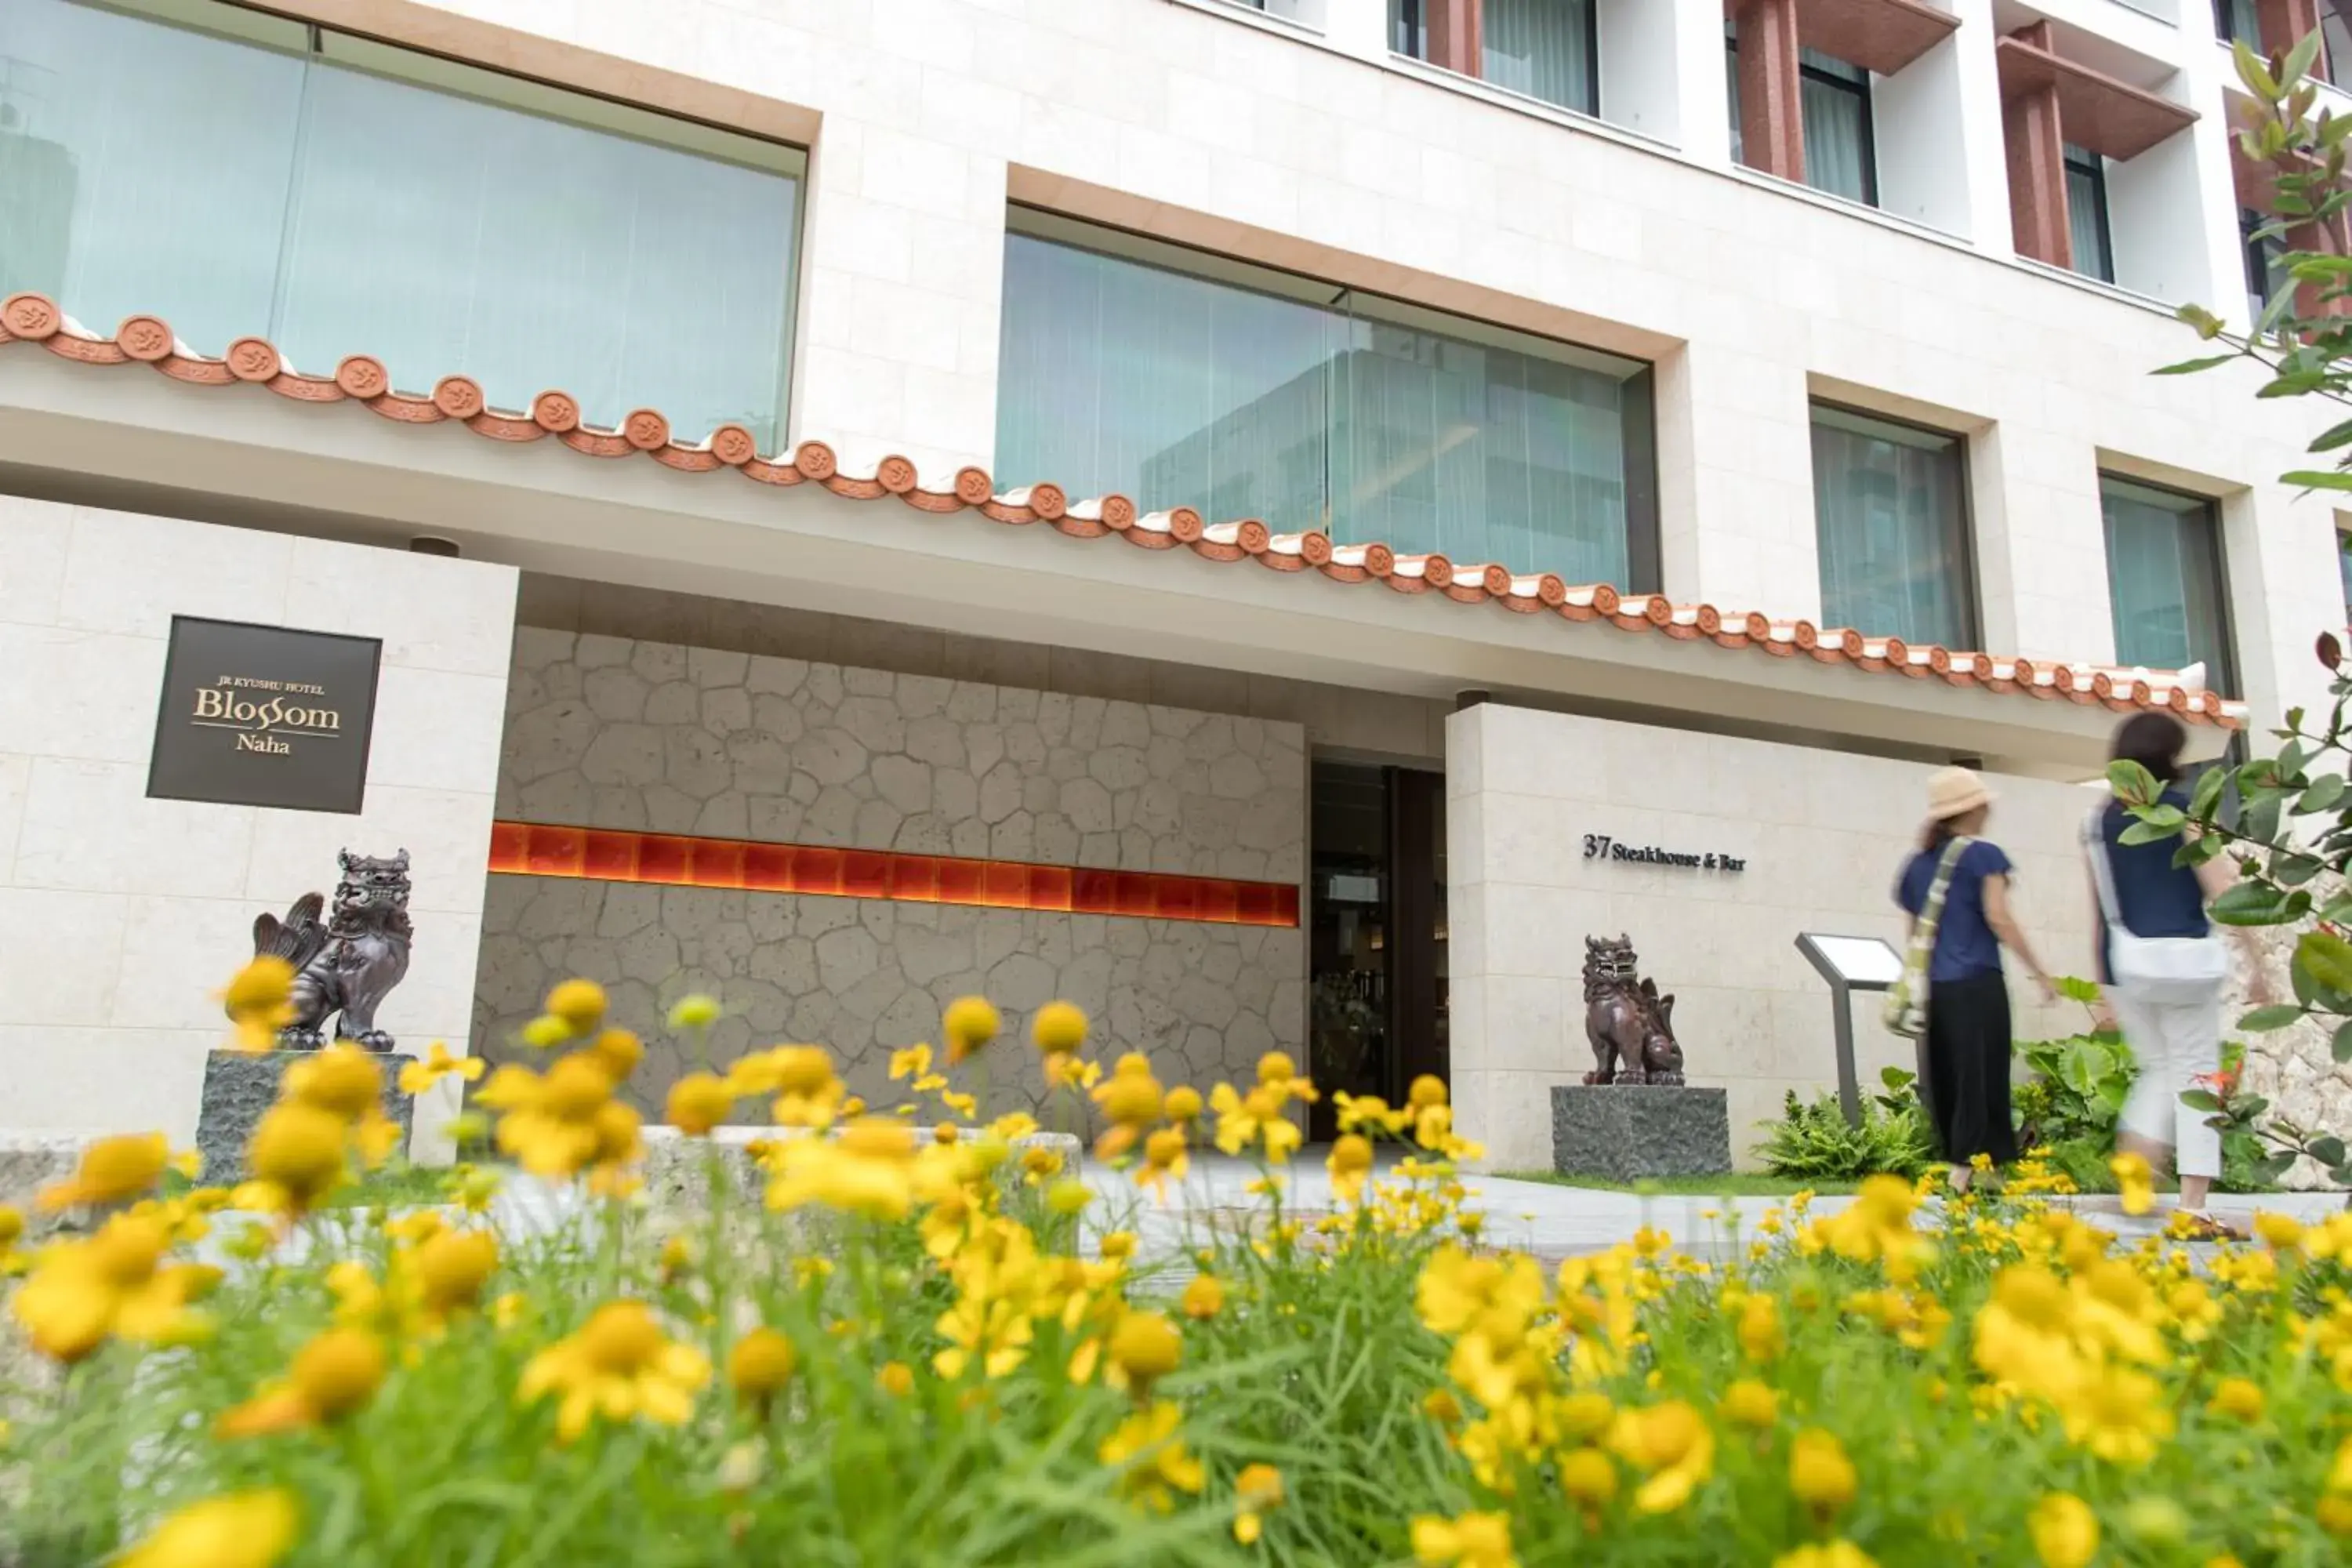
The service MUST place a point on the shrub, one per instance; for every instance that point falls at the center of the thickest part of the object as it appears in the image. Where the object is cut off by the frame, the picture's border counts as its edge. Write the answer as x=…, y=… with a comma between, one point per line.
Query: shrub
x=1813, y=1143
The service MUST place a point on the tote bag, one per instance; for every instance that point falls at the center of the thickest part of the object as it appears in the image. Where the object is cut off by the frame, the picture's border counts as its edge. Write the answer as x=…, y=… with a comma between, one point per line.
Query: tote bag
x=1907, y=999
x=2158, y=968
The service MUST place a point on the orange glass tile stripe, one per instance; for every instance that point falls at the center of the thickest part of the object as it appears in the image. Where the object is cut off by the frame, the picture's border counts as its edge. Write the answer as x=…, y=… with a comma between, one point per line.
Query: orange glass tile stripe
x=539, y=849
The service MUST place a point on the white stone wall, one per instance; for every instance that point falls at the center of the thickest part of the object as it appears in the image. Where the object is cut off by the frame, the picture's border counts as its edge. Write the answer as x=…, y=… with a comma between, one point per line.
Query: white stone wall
x=607, y=732
x=1823, y=834
x=122, y=917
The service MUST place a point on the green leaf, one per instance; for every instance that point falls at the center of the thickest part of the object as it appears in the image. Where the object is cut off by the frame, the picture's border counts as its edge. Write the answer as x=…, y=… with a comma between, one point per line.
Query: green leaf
x=2191, y=366
x=2327, y=1149
x=2342, y=1044
x=2327, y=957
x=2133, y=785
x=2277, y=1165
x=2148, y=832
x=2203, y=1099
x=2316, y=478
x=2263, y=1020
x=2209, y=785
x=2249, y=903
x=2295, y=69
x=2075, y=990
x=2325, y=793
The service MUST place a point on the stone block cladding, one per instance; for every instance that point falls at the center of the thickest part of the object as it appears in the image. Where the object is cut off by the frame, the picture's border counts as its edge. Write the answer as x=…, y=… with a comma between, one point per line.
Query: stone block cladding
x=608, y=731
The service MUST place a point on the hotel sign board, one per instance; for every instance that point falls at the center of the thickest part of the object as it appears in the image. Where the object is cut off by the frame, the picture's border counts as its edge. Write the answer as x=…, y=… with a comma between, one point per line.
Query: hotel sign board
x=257, y=715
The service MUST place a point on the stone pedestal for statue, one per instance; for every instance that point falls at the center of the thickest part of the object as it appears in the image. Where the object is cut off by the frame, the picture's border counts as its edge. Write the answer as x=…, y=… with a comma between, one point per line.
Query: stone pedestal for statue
x=1634, y=1133
x=239, y=1086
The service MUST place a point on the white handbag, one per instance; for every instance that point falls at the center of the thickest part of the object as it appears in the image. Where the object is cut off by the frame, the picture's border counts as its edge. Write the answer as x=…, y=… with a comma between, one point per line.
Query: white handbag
x=2156, y=968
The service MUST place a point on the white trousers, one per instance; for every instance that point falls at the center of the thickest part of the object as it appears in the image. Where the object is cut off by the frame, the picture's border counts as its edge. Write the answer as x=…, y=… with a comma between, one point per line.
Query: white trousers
x=2176, y=1044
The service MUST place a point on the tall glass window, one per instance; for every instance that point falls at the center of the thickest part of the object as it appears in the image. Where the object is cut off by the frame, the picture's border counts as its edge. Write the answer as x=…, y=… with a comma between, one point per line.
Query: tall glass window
x=1179, y=379
x=2239, y=21
x=2265, y=256
x=1890, y=514
x=2086, y=215
x=2335, y=41
x=1834, y=102
x=2165, y=574
x=1833, y=110
x=338, y=196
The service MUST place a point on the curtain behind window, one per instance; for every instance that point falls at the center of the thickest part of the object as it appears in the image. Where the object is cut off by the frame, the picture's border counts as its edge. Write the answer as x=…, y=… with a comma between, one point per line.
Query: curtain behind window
x=1541, y=48
x=1891, y=519
x=1836, y=124
x=2164, y=572
x=2087, y=216
x=1176, y=390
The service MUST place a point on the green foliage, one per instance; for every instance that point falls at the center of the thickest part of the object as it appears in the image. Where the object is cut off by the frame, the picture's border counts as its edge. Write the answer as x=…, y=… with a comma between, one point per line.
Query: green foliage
x=2078, y=1087
x=1813, y=1143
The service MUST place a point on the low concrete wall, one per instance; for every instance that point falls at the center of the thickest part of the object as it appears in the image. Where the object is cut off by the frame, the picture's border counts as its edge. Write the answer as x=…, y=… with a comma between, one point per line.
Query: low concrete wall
x=1821, y=836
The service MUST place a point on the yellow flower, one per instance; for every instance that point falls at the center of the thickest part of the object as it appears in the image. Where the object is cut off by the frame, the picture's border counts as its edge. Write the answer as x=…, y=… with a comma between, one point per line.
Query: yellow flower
x=546, y=1032
x=969, y=1024
x=297, y=1153
x=451, y=1269
x=1471, y=1540
x=1204, y=1298
x=2279, y=1232
x=1826, y=1554
x=896, y=1378
x=2066, y=1532
x=333, y=1375
x=697, y=1103
x=1037, y=1163
x=1256, y=1490
x=618, y=1052
x=1144, y=1348
x=1067, y=1197
x=2238, y=1399
x=112, y=1170
x=619, y=1365
x=417, y=1077
x=1058, y=1029
x=2119, y=1415
x=260, y=1001
x=695, y=1011
x=2136, y=1181
x=1132, y=1095
x=760, y=1366
x=1821, y=1477
x=1183, y=1104
x=870, y=1169
x=1155, y=1463
x=1672, y=1444
x=240, y=1530
x=1350, y=1163
x=1244, y=1120
x=914, y=1061
x=1747, y=1403
x=1762, y=1336
x=343, y=1081
x=1589, y=1480
x=579, y=1002
x=112, y=1283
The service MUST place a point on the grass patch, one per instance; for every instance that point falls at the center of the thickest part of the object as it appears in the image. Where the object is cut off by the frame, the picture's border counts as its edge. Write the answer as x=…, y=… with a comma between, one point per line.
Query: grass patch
x=1738, y=1183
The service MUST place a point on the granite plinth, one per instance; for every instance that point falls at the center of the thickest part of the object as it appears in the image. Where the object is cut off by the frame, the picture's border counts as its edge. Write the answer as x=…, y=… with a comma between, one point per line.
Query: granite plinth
x=239, y=1086
x=1633, y=1132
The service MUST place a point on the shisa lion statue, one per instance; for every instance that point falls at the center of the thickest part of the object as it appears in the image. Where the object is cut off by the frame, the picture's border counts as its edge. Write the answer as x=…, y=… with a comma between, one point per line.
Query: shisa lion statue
x=349, y=962
x=1626, y=1020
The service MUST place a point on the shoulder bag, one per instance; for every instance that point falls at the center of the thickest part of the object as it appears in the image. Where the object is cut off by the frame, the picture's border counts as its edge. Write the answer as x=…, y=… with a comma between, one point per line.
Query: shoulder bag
x=2156, y=968
x=1907, y=999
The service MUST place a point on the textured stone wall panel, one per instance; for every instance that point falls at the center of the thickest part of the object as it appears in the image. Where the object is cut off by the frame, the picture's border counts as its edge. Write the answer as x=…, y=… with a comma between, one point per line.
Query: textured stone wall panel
x=605, y=732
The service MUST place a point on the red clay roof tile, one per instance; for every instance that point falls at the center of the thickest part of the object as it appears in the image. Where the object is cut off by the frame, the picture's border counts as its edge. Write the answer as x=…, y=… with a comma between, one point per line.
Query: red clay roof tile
x=33, y=318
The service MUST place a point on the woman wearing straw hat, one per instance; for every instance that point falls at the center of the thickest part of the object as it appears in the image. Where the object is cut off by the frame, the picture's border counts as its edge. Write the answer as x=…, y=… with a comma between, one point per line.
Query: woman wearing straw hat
x=1968, y=1034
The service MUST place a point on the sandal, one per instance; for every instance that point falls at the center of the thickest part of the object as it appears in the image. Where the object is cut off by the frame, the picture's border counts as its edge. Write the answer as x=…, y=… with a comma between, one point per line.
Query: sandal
x=2186, y=1227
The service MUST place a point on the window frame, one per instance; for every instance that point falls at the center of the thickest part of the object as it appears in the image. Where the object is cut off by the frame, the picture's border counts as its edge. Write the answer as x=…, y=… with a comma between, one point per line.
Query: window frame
x=2094, y=167
x=1971, y=595
x=2259, y=282
x=2225, y=680
x=1644, y=537
x=1808, y=72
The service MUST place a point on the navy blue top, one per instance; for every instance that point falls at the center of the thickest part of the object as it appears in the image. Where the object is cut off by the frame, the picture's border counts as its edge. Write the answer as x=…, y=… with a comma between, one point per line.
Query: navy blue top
x=2154, y=897
x=1965, y=944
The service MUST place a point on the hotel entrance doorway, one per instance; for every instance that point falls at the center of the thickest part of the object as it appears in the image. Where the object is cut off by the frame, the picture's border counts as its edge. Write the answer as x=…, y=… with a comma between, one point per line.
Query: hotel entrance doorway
x=1375, y=932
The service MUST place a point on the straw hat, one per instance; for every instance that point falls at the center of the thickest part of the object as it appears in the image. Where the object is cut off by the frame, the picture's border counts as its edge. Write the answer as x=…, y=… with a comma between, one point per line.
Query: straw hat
x=1955, y=792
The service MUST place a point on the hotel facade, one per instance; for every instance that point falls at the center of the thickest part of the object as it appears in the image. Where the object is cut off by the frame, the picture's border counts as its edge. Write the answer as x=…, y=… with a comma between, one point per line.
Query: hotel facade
x=1271, y=521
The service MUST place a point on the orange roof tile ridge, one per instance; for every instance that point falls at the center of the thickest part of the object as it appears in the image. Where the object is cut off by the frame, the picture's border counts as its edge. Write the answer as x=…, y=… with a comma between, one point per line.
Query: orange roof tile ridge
x=363, y=379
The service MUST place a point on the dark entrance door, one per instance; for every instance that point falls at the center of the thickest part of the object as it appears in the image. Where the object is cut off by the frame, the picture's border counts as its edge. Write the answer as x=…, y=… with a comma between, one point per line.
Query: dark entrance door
x=1376, y=929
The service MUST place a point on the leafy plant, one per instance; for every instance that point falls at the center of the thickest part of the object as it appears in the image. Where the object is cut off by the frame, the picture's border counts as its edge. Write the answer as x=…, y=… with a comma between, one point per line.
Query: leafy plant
x=1813, y=1141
